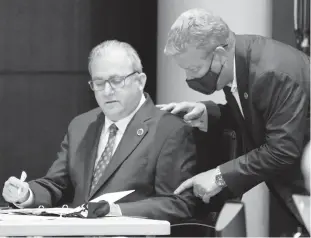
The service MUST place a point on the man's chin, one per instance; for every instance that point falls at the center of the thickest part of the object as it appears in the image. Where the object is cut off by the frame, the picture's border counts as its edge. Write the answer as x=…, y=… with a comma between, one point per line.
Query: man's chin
x=113, y=117
x=113, y=113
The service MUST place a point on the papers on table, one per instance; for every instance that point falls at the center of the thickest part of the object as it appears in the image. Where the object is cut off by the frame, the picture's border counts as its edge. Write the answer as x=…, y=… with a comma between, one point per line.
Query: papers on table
x=109, y=197
x=39, y=211
x=112, y=197
x=22, y=218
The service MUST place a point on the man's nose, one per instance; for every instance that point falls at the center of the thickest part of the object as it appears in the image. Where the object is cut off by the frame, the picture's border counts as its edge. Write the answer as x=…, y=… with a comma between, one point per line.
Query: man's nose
x=108, y=90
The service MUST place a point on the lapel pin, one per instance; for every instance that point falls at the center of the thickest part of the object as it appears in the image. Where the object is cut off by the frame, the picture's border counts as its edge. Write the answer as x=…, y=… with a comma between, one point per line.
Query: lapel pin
x=140, y=131
x=245, y=95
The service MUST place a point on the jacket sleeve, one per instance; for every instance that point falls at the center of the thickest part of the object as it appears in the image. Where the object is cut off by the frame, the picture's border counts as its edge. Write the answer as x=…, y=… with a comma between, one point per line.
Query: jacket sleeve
x=283, y=105
x=176, y=162
x=55, y=187
x=218, y=115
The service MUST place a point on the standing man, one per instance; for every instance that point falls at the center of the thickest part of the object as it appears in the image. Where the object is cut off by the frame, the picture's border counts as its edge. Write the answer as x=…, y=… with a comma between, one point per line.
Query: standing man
x=267, y=86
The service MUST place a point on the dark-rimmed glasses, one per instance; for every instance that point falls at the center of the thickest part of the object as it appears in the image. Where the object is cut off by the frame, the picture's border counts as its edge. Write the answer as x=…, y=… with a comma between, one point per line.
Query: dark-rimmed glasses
x=114, y=82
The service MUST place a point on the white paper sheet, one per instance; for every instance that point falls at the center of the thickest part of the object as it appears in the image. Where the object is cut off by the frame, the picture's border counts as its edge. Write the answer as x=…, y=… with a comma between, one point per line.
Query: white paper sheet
x=38, y=211
x=112, y=197
x=23, y=218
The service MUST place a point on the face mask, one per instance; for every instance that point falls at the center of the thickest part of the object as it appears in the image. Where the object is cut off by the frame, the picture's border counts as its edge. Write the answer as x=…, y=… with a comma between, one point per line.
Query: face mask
x=206, y=84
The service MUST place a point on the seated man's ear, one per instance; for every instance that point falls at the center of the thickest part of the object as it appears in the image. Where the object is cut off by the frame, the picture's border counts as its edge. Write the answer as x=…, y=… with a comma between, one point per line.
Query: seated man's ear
x=142, y=78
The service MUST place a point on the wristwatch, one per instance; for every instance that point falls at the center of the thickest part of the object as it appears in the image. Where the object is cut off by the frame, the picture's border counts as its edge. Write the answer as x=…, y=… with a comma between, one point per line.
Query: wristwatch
x=219, y=180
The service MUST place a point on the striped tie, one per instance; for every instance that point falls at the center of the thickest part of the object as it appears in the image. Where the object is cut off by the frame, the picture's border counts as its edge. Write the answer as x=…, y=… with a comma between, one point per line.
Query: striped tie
x=105, y=157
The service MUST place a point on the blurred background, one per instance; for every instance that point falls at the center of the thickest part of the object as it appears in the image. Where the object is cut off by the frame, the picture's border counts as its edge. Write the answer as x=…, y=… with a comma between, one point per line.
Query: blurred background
x=44, y=47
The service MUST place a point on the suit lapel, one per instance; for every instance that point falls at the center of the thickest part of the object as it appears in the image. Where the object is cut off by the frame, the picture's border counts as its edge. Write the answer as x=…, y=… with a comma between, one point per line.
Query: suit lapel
x=239, y=118
x=132, y=137
x=242, y=75
x=90, y=151
x=234, y=108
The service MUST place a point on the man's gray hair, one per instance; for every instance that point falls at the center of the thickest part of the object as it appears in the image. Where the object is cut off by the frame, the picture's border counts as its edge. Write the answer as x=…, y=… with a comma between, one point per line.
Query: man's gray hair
x=198, y=28
x=109, y=46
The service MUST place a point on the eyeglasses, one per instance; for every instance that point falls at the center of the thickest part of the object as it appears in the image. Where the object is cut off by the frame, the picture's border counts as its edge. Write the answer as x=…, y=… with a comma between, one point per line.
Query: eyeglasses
x=114, y=82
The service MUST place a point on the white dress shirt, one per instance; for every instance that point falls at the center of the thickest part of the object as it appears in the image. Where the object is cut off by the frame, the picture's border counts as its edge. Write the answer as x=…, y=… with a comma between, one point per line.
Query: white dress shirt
x=234, y=88
x=121, y=124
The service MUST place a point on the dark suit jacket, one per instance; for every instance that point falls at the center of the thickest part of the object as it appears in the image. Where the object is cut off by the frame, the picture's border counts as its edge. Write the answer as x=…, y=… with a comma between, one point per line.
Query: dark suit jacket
x=274, y=86
x=154, y=164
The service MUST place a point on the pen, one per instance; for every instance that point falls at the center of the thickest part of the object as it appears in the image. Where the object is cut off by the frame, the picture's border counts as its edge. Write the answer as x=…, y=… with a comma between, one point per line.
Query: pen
x=23, y=178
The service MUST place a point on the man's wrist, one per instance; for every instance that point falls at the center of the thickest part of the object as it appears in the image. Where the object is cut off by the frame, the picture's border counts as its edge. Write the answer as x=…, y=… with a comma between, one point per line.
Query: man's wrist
x=28, y=202
x=115, y=210
x=24, y=199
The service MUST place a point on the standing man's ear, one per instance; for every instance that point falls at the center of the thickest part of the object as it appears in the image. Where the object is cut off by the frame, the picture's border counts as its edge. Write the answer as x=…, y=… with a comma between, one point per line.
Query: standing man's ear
x=221, y=53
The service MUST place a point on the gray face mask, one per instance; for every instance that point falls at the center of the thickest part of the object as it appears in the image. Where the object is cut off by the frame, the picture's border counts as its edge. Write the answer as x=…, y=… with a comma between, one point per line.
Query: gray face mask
x=206, y=84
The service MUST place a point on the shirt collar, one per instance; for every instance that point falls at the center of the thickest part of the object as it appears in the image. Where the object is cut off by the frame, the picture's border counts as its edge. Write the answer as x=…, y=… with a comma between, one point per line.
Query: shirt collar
x=233, y=85
x=122, y=124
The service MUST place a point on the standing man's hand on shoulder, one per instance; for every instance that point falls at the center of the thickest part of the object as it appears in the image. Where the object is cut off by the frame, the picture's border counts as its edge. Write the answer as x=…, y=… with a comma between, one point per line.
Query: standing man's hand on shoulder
x=15, y=190
x=193, y=113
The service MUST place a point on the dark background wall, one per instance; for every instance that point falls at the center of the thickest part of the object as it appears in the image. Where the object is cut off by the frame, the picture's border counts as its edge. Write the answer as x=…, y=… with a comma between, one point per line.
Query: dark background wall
x=44, y=45
x=283, y=21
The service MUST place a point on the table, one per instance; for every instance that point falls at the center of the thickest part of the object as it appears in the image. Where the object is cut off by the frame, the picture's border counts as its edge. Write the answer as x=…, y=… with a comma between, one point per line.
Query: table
x=23, y=225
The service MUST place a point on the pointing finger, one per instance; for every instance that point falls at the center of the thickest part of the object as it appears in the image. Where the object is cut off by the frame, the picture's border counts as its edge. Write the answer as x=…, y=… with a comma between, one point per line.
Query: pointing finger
x=180, y=108
x=185, y=185
x=167, y=107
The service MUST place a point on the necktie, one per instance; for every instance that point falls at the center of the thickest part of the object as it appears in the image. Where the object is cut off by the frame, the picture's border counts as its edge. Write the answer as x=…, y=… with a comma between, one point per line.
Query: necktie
x=105, y=157
x=236, y=112
x=233, y=104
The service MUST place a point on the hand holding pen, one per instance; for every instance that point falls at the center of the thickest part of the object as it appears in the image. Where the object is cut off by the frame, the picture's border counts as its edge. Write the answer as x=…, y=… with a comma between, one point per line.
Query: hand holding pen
x=23, y=178
x=16, y=190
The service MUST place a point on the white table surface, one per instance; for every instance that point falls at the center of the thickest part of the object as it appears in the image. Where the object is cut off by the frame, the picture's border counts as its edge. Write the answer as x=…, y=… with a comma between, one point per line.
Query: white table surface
x=24, y=225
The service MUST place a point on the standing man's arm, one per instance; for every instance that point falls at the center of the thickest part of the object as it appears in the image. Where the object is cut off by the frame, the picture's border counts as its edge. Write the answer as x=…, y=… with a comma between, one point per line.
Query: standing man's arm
x=218, y=114
x=203, y=115
x=283, y=106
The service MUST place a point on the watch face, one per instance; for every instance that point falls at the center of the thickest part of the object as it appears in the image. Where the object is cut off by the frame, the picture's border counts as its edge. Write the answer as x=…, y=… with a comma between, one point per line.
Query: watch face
x=219, y=180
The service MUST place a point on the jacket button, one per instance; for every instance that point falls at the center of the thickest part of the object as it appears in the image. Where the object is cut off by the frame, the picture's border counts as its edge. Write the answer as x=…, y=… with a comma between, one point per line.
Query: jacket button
x=140, y=131
x=245, y=95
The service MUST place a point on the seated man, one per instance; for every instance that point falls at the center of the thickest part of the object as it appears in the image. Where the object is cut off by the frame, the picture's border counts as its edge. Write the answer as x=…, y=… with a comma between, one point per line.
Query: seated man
x=126, y=143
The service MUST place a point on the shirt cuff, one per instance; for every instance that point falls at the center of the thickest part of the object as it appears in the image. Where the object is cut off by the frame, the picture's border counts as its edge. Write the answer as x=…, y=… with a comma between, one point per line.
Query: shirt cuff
x=115, y=210
x=27, y=203
x=119, y=210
